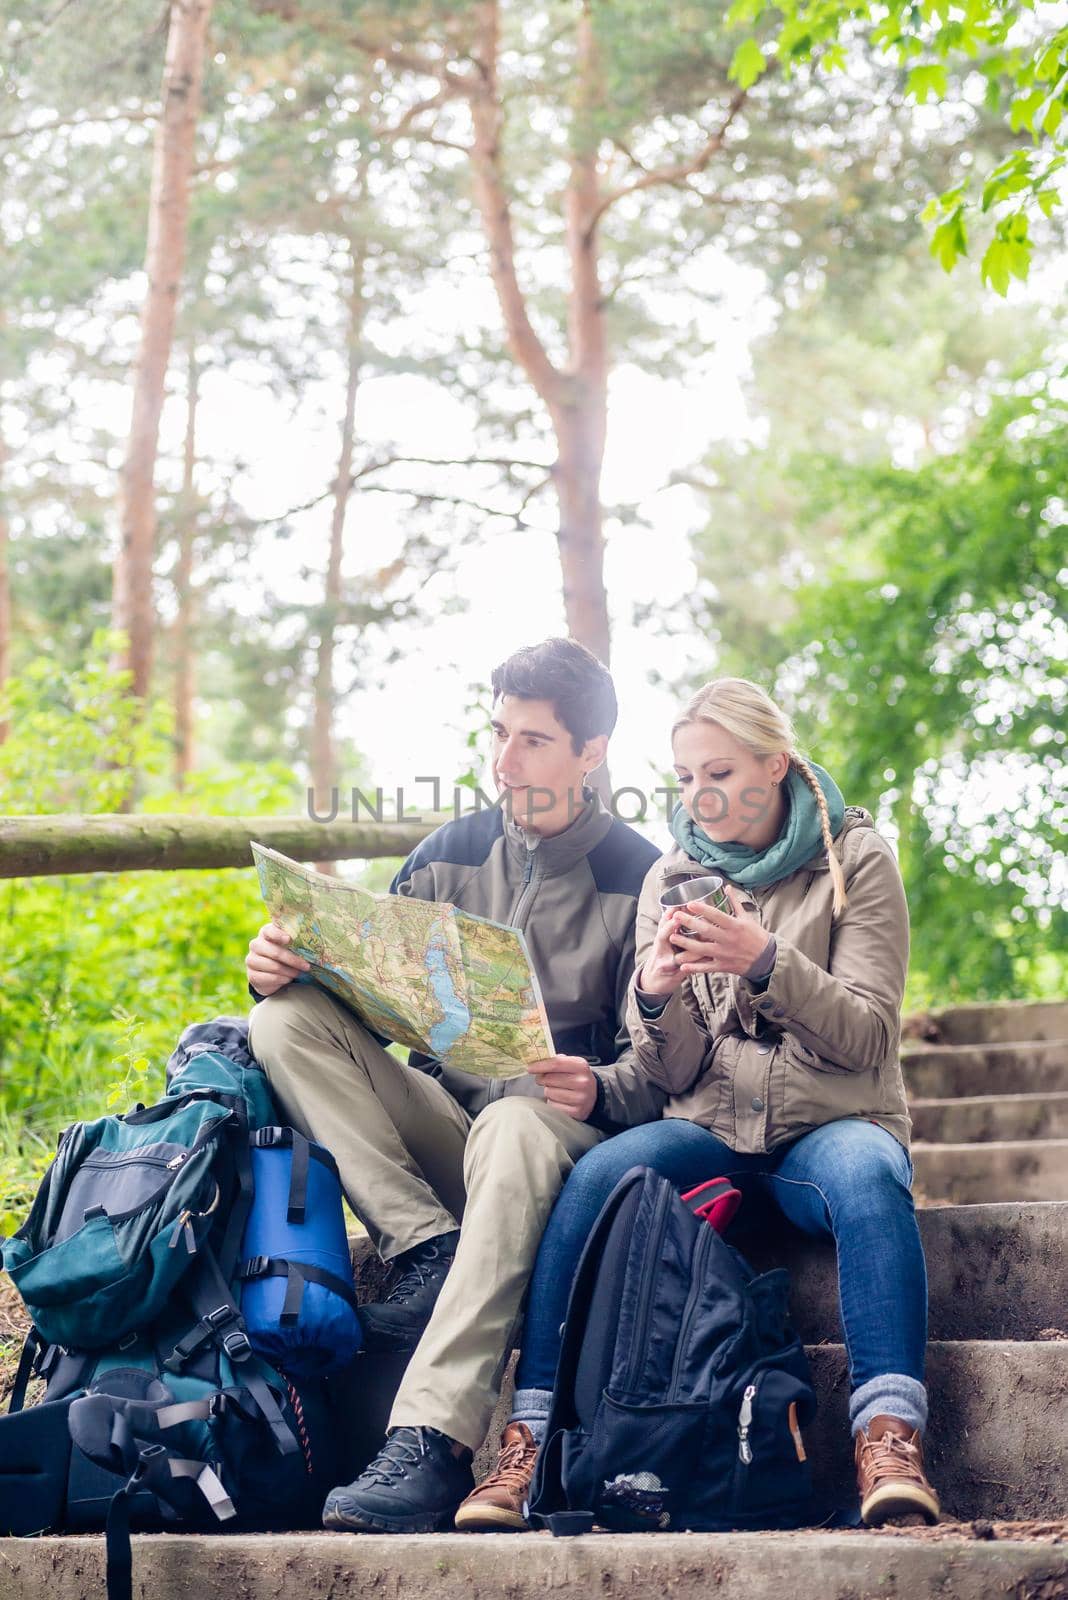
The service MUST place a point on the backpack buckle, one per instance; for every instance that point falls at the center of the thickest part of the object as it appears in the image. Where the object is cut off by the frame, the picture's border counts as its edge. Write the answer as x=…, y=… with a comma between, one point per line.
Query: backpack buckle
x=145, y=1456
x=255, y=1266
x=237, y=1345
x=268, y=1138
x=220, y=1317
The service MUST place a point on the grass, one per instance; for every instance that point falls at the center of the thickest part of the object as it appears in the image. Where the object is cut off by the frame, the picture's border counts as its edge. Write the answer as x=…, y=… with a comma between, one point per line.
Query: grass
x=14, y=1324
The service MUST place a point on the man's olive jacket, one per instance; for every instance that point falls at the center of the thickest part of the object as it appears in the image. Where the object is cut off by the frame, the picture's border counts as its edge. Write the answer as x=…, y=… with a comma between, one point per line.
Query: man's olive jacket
x=574, y=896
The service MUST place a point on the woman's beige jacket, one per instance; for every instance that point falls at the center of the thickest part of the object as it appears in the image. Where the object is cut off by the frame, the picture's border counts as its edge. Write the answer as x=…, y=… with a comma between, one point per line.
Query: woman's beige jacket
x=822, y=1041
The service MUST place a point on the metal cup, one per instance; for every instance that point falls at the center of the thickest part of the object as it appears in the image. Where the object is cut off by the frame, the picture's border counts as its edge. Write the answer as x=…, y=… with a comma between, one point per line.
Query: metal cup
x=711, y=889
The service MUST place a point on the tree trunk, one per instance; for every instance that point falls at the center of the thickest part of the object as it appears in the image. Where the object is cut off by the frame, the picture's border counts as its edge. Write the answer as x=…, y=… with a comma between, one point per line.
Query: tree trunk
x=5, y=591
x=582, y=424
x=324, y=765
x=185, y=618
x=576, y=398
x=168, y=212
x=580, y=540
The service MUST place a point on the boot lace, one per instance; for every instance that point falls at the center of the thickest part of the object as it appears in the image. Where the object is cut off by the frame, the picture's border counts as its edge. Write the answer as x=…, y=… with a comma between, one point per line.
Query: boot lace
x=892, y=1457
x=416, y=1274
x=515, y=1464
x=404, y=1448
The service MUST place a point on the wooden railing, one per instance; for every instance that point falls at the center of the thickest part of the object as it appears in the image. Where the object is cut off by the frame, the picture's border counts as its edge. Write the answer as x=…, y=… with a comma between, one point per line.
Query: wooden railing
x=37, y=847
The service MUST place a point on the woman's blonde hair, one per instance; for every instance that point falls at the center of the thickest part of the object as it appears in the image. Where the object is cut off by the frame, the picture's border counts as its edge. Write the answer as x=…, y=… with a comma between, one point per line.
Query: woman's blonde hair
x=752, y=717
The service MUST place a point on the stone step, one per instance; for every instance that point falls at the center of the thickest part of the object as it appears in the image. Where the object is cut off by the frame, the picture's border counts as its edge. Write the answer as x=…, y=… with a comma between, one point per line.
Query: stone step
x=995, y=1023
x=979, y=1118
x=937, y=1071
x=997, y=1443
x=993, y=1271
x=1010, y=1169
x=808, y=1565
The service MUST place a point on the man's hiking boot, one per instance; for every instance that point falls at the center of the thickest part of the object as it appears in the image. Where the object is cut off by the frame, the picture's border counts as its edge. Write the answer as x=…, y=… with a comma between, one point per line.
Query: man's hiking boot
x=890, y=1473
x=397, y=1322
x=413, y=1485
x=498, y=1502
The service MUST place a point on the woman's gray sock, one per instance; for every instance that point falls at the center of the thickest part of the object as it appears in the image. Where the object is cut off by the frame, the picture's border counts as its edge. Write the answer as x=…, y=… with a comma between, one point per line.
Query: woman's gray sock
x=893, y=1394
x=531, y=1406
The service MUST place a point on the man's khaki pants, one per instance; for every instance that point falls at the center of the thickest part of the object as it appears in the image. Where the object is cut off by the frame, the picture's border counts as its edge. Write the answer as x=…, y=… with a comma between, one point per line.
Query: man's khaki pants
x=413, y=1164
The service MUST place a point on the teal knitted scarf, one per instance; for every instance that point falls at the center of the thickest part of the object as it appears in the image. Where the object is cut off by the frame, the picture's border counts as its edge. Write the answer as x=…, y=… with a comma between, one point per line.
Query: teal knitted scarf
x=799, y=841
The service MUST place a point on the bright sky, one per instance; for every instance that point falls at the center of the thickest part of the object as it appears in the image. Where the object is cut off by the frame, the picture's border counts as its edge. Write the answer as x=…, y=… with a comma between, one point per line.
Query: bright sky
x=411, y=717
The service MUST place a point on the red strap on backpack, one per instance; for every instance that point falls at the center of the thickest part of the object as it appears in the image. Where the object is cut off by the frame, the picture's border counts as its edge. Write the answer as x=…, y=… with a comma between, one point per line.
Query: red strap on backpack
x=715, y=1202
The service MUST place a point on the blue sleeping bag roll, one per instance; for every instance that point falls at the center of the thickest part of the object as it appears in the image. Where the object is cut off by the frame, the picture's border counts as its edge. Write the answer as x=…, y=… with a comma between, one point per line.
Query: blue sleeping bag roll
x=297, y=1295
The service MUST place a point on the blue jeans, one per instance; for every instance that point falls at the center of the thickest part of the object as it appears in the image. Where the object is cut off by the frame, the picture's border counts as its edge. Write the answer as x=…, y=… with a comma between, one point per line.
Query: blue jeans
x=849, y=1180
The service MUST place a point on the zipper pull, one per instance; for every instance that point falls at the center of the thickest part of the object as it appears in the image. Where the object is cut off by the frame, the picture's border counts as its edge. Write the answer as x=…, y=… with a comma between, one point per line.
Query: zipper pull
x=528, y=870
x=176, y=1161
x=181, y=1228
x=745, y=1417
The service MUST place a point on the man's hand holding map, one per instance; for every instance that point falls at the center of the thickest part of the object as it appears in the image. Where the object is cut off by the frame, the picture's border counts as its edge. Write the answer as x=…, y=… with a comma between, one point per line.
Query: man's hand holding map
x=439, y=980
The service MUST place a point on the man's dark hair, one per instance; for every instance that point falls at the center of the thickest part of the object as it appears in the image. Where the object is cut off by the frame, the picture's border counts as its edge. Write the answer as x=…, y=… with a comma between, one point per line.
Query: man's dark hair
x=577, y=686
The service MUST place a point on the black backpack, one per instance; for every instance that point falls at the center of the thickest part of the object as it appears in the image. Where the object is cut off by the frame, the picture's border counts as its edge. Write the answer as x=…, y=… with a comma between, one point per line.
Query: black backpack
x=681, y=1387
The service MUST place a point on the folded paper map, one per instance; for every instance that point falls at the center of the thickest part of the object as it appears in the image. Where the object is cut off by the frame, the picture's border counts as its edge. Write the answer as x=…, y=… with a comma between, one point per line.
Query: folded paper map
x=421, y=972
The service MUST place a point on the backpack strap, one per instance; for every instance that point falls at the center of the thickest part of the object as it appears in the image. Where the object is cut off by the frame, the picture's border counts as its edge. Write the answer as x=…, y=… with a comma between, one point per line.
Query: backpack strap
x=568, y=1524
x=714, y=1202
x=33, y=1353
x=297, y=1273
x=303, y=1153
x=219, y=1318
x=235, y=1227
x=151, y=1468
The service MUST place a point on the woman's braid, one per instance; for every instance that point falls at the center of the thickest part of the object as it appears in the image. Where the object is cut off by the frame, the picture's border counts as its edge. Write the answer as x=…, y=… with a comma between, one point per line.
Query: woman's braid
x=837, y=875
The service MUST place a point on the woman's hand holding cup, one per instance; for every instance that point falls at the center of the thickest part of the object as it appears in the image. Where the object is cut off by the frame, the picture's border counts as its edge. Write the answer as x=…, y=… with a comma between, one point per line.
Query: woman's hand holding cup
x=719, y=941
x=662, y=974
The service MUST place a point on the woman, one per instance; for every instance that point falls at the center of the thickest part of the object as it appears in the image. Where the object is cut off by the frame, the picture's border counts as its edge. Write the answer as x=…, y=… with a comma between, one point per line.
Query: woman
x=774, y=1030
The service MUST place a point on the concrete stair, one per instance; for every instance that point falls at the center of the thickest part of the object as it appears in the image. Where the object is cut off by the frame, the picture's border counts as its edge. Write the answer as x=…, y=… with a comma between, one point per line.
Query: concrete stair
x=683, y=1566
x=989, y=1102
x=989, y=1094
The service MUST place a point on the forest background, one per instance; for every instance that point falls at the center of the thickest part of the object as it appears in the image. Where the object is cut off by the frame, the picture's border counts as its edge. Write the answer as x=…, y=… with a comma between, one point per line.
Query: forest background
x=345, y=347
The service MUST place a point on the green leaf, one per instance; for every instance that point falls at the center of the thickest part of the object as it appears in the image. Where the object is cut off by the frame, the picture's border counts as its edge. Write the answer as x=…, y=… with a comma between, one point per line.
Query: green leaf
x=1022, y=111
x=994, y=268
x=748, y=63
x=1053, y=118
x=1048, y=64
x=927, y=82
x=950, y=240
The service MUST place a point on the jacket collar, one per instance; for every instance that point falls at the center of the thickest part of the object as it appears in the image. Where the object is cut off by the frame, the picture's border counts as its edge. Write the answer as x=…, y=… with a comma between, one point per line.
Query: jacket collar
x=560, y=853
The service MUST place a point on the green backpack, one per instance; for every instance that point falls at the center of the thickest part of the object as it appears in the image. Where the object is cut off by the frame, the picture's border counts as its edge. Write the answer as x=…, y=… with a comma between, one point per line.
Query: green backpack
x=132, y=1204
x=156, y=1408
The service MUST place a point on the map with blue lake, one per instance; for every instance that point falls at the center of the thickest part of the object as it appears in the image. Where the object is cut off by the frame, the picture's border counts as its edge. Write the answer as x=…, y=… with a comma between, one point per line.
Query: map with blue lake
x=420, y=972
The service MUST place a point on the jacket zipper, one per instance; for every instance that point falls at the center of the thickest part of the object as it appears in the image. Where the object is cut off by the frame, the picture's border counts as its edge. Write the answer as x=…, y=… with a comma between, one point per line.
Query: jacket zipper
x=526, y=892
x=656, y=1233
x=704, y=1244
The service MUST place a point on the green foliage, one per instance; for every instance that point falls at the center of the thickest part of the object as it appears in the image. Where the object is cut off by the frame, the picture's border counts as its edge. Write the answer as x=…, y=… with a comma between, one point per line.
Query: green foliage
x=930, y=662
x=1021, y=52
x=99, y=973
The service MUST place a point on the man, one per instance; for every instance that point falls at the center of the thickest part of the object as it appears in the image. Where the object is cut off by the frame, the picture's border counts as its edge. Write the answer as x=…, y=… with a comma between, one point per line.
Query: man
x=453, y=1175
